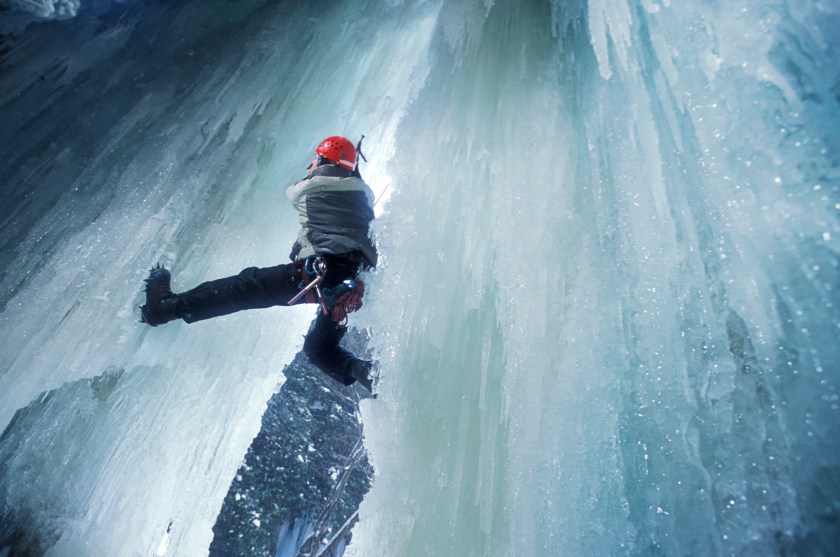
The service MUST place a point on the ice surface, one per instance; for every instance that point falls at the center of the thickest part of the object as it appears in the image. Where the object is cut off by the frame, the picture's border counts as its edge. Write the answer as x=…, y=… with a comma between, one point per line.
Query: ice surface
x=607, y=310
x=46, y=9
x=145, y=133
x=617, y=333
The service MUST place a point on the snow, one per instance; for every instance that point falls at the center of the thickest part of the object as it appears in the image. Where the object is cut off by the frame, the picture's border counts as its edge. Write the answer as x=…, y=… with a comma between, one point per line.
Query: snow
x=607, y=309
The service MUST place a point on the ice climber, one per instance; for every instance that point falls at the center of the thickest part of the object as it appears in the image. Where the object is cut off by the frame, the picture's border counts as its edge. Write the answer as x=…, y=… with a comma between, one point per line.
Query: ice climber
x=335, y=208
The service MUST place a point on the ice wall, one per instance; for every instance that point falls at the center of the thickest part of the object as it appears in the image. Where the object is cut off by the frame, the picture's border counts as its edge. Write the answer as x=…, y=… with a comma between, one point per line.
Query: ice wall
x=606, y=312
x=609, y=310
x=157, y=131
x=45, y=9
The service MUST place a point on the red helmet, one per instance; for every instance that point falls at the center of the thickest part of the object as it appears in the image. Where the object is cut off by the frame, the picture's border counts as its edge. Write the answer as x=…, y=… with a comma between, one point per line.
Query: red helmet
x=339, y=150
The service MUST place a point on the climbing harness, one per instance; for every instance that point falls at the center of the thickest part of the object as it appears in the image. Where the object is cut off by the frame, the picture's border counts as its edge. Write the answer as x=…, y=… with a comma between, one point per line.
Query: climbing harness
x=337, y=301
x=314, y=267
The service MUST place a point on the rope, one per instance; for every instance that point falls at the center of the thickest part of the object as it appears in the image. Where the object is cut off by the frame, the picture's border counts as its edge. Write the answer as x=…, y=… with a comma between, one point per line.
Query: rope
x=348, y=302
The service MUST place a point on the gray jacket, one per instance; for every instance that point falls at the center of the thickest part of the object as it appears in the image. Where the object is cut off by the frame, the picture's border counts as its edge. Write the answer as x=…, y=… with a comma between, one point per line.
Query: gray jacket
x=335, y=211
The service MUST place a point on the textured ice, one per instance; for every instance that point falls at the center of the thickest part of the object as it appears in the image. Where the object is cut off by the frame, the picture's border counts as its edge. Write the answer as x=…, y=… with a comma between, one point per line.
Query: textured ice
x=607, y=310
x=46, y=9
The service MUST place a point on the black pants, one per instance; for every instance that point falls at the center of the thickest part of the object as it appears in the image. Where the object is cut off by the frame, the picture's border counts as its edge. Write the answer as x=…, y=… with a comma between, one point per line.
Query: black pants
x=255, y=288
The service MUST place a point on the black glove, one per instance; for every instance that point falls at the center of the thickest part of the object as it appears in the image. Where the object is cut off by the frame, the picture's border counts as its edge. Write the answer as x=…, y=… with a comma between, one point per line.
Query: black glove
x=295, y=251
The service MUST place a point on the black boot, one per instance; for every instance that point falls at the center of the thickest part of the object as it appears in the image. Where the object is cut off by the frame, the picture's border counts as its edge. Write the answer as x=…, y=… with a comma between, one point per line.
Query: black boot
x=161, y=304
x=363, y=372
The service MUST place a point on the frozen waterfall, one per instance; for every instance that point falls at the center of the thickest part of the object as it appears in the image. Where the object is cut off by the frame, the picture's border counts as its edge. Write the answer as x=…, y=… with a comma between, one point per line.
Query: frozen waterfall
x=607, y=309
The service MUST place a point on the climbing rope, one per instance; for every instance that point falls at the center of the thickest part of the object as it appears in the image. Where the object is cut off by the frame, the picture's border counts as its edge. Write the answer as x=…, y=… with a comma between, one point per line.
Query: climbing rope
x=348, y=302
